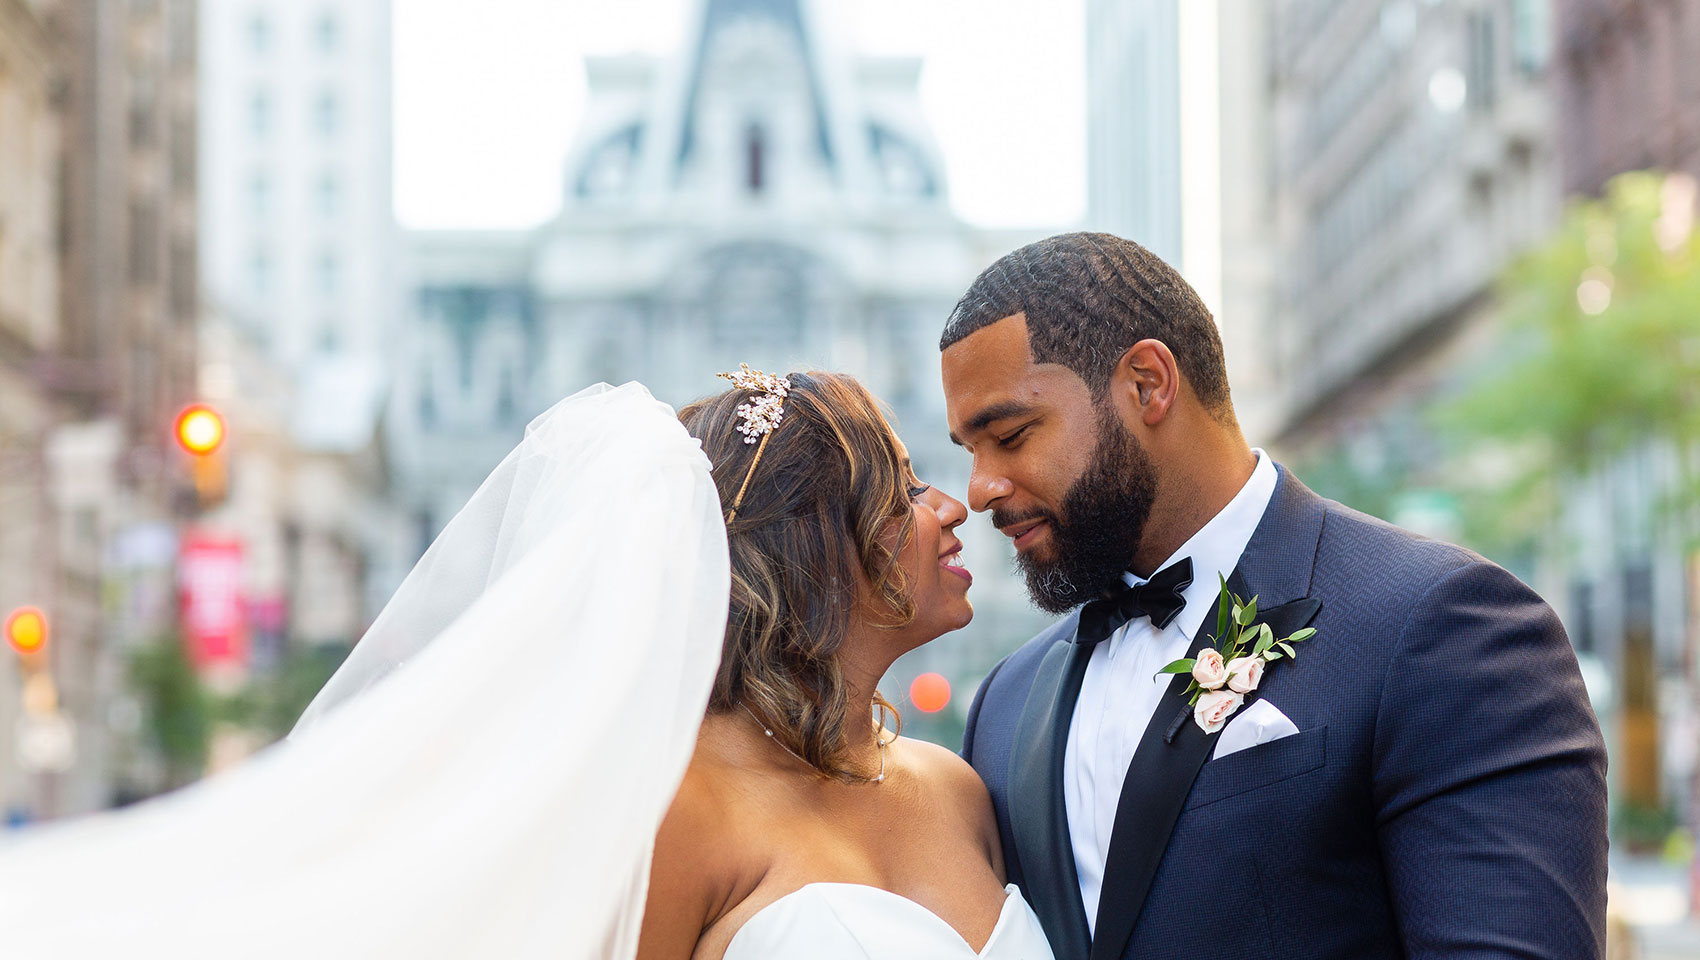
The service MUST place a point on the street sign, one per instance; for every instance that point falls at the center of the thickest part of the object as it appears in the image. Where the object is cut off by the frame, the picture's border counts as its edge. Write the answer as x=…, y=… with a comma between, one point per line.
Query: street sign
x=209, y=579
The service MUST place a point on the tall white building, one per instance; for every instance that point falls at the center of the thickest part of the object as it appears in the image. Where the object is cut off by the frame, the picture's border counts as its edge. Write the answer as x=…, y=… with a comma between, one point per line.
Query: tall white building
x=1178, y=141
x=299, y=269
x=299, y=235
x=758, y=197
x=1133, y=123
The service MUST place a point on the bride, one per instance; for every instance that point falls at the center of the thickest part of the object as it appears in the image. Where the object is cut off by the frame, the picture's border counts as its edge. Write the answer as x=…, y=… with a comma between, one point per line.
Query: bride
x=803, y=828
x=611, y=637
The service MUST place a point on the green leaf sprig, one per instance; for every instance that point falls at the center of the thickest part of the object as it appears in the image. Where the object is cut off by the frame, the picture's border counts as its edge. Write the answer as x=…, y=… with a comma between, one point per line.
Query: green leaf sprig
x=1234, y=634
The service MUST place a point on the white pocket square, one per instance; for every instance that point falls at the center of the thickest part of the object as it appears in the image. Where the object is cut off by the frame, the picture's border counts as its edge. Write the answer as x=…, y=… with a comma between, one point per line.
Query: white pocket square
x=1260, y=723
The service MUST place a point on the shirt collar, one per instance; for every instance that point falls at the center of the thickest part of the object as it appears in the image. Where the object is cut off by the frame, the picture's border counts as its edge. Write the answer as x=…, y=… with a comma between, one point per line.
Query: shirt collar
x=1215, y=549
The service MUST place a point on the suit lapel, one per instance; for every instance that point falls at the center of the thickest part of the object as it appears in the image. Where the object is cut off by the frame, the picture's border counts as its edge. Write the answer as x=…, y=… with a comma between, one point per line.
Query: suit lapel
x=1173, y=748
x=1038, y=815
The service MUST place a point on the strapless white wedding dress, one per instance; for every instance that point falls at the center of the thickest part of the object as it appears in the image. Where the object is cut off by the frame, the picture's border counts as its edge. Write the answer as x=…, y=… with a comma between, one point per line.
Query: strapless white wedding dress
x=853, y=921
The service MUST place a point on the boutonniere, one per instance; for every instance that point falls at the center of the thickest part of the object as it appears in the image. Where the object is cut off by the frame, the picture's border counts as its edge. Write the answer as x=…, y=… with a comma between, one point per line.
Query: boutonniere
x=1222, y=675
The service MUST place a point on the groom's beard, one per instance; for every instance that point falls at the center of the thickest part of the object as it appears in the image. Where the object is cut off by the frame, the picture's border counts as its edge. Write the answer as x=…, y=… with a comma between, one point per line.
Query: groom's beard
x=1103, y=515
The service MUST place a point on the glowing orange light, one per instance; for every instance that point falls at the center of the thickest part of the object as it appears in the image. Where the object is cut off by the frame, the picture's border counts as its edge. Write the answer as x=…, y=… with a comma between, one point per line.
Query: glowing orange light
x=26, y=629
x=929, y=692
x=200, y=429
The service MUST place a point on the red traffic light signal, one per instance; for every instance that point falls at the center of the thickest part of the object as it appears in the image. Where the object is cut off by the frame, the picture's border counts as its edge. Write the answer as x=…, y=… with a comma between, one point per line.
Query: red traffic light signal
x=26, y=630
x=200, y=429
x=929, y=692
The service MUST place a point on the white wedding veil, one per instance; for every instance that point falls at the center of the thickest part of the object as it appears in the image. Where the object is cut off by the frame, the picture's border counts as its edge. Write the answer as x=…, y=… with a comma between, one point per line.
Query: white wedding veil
x=483, y=777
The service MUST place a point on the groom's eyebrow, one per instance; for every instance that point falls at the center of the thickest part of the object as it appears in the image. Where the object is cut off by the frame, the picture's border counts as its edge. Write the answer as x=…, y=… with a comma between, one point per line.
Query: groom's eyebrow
x=1002, y=410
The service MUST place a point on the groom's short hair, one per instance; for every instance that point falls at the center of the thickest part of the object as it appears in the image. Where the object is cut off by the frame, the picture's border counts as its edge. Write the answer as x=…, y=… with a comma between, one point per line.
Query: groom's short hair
x=1087, y=298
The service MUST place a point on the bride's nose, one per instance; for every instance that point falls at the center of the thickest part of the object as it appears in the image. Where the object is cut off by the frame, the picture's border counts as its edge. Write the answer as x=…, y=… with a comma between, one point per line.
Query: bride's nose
x=951, y=512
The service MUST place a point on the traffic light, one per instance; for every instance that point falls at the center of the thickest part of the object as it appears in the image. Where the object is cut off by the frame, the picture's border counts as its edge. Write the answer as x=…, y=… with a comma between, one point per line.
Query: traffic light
x=200, y=432
x=200, y=429
x=929, y=692
x=26, y=630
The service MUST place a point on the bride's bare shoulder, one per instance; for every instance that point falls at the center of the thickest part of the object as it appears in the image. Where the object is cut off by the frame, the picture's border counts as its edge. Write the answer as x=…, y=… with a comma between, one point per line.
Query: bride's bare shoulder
x=942, y=769
x=945, y=774
x=712, y=796
x=705, y=860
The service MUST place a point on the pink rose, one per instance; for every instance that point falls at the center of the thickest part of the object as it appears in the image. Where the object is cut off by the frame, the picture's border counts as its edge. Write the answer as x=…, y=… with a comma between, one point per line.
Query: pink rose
x=1214, y=709
x=1244, y=673
x=1209, y=670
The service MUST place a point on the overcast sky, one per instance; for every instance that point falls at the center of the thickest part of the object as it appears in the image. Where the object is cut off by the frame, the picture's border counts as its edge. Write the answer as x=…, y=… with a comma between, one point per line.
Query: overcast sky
x=487, y=96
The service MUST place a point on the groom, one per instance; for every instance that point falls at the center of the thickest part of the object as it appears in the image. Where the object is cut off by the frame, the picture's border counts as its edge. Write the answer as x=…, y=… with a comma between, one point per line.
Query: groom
x=1424, y=777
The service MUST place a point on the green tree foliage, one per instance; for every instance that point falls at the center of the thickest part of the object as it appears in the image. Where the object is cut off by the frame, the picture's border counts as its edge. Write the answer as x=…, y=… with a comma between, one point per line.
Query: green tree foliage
x=177, y=709
x=1601, y=353
x=181, y=713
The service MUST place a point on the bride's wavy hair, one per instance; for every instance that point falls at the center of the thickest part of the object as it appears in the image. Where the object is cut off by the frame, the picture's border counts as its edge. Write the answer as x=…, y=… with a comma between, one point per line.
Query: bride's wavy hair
x=826, y=512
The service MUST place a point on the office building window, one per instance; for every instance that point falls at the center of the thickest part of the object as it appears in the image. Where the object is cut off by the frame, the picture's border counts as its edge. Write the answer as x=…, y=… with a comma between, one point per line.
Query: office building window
x=327, y=114
x=330, y=337
x=1531, y=26
x=327, y=33
x=327, y=196
x=1484, y=61
x=144, y=118
x=259, y=33
x=755, y=147
x=427, y=401
x=328, y=272
x=260, y=114
x=259, y=196
x=506, y=406
x=259, y=273
x=145, y=238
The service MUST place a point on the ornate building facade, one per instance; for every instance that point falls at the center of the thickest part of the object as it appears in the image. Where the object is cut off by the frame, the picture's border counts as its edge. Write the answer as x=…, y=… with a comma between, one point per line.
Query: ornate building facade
x=760, y=197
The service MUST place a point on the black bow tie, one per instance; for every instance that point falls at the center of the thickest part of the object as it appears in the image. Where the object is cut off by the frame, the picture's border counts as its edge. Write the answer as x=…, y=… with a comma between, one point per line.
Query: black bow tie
x=1158, y=598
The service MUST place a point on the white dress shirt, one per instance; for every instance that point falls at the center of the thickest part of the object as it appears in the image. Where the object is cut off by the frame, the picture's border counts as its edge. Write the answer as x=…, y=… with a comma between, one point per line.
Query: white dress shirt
x=1120, y=690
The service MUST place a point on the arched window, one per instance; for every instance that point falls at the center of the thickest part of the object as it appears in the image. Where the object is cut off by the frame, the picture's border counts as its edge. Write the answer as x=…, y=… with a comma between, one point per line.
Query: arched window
x=755, y=149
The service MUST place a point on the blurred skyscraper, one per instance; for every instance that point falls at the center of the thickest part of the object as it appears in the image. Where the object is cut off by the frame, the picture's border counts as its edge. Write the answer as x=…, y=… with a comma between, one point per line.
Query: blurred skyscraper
x=761, y=196
x=300, y=269
x=296, y=190
x=1414, y=156
x=1178, y=134
x=1133, y=122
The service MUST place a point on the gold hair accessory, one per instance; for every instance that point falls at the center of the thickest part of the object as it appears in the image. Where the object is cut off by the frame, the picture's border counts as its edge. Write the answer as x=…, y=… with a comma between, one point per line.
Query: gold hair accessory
x=760, y=416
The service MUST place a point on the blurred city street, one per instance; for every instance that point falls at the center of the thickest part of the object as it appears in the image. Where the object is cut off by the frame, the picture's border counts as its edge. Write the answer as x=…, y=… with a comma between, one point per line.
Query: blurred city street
x=281, y=282
x=1653, y=897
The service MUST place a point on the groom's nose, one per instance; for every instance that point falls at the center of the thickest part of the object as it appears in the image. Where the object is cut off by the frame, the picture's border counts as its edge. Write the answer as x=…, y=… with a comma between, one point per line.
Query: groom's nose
x=985, y=488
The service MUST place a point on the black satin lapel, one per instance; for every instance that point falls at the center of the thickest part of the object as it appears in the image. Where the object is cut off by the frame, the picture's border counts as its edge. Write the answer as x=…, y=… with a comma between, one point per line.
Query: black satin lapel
x=1159, y=777
x=1038, y=815
x=1289, y=618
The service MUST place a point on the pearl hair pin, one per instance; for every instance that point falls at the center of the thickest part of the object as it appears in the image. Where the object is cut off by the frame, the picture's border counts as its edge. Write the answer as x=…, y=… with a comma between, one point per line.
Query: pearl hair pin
x=760, y=416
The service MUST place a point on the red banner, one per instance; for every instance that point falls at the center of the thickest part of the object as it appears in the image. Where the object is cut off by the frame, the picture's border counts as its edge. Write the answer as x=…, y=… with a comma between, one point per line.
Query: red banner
x=209, y=581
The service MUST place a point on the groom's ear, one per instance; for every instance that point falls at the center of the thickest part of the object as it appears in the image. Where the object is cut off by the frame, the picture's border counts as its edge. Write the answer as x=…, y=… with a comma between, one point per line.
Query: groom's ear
x=1146, y=382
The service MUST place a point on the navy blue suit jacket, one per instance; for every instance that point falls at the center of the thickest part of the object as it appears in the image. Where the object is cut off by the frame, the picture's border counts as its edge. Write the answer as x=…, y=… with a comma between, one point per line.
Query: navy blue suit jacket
x=1445, y=796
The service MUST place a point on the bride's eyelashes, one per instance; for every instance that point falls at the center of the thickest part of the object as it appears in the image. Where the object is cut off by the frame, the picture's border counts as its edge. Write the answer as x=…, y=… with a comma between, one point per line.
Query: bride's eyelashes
x=918, y=488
